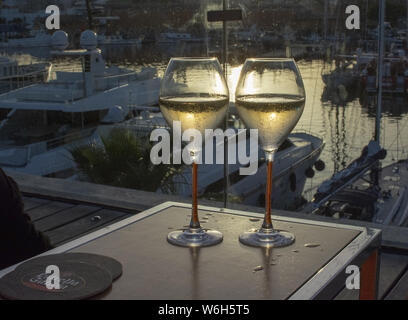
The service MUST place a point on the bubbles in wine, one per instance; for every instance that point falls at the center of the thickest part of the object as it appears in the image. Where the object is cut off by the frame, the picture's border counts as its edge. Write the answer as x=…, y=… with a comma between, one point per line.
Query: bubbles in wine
x=195, y=112
x=274, y=116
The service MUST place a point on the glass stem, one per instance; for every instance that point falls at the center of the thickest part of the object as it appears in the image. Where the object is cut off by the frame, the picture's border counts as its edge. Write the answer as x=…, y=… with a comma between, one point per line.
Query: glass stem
x=195, y=223
x=267, y=224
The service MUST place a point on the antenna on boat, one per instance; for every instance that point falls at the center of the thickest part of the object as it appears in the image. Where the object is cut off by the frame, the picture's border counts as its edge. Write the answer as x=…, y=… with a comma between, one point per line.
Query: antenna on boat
x=380, y=69
x=224, y=64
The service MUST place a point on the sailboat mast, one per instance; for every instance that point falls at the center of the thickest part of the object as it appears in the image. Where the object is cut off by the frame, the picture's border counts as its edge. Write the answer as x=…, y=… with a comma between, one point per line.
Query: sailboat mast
x=89, y=11
x=224, y=61
x=380, y=68
x=325, y=19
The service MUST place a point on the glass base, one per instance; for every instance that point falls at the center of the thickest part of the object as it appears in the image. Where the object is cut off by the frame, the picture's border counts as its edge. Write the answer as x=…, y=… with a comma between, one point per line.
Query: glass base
x=267, y=238
x=195, y=238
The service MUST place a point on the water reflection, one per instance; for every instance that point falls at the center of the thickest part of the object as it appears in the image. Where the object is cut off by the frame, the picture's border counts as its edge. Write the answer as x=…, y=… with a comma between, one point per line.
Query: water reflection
x=195, y=281
x=267, y=261
x=392, y=106
x=337, y=116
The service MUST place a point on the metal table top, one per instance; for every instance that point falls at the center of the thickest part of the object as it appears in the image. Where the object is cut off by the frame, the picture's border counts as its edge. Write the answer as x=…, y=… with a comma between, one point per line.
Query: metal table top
x=155, y=269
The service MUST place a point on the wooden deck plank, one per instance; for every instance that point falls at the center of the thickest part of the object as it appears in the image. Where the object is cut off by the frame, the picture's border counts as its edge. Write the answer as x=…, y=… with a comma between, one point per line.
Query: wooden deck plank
x=84, y=225
x=392, y=268
x=400, y=290
x=31, y=203
x=64, y=217
x=48, y=209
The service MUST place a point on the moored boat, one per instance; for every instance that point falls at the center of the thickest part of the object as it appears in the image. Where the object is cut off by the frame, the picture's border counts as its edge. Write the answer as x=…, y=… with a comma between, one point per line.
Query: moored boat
x=40, y=123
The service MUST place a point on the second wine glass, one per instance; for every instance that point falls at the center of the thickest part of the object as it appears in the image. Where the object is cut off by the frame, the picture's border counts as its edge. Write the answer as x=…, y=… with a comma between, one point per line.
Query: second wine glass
x=194, y=95
x=270, y=97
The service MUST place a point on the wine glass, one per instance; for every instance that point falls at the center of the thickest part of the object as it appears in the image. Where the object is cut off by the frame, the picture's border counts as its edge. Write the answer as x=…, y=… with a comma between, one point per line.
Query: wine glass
x=194, y=95
x=270, y=97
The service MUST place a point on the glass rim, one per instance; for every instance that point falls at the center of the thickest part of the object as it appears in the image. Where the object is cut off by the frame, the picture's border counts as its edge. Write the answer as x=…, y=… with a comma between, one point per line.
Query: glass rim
x=271, y=59
x=193, y=59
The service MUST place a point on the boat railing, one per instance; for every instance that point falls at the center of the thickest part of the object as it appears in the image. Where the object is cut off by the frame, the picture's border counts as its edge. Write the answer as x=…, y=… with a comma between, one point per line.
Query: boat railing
x=142, y=129
x=67, y=92
x=69, y=138
x=70, y=91
x=19, y=156
x=113, y=81
x=21, y=80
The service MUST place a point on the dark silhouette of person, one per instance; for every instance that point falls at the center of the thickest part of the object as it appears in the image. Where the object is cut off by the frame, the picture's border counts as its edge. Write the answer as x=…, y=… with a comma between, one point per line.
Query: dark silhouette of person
x=19, y=240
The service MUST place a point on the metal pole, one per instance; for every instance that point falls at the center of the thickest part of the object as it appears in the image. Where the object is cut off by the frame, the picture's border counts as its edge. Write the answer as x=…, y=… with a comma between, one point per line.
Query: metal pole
x=224, y=62
x=366, y=21
x=380, y=69
x=224, y=39
x=325, y=19
x=89, y=12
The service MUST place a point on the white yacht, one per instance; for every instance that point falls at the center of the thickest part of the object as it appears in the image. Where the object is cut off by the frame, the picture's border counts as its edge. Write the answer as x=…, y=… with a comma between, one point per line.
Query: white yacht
x=40, y=123
x=294, y=162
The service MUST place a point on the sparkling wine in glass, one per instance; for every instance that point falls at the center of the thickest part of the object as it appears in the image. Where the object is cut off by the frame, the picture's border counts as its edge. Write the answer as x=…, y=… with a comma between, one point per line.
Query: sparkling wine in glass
x=270, y=97
x=195, y=95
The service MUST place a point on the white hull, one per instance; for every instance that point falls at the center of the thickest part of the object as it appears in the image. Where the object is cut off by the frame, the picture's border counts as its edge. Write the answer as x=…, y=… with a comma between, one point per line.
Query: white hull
x=288, y=176
x=286, y=194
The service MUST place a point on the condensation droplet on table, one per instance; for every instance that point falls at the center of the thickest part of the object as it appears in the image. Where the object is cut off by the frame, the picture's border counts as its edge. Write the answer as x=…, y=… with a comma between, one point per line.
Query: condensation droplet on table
x=258, y=268
x=312, y=245
x=295, y=251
